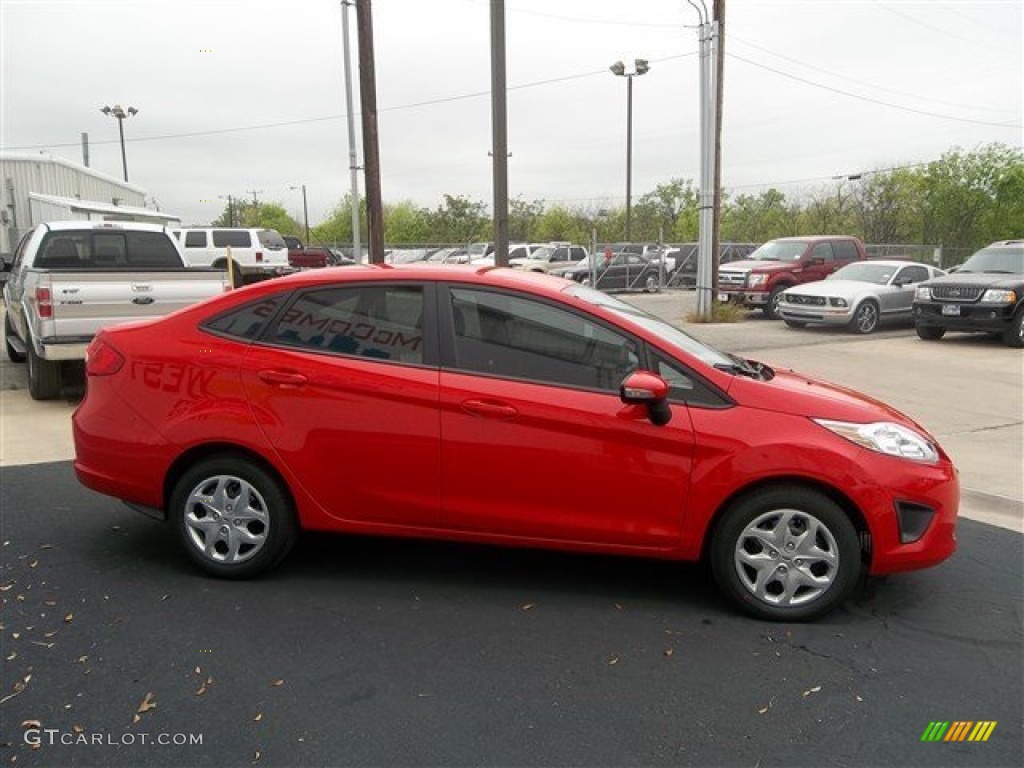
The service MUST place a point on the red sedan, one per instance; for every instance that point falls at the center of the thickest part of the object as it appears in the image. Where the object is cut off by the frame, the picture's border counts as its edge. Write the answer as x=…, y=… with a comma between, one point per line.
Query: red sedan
x=399, y=401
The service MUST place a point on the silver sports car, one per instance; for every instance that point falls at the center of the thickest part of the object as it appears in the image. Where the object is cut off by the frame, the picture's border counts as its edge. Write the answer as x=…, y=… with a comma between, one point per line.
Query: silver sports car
x=860, y=295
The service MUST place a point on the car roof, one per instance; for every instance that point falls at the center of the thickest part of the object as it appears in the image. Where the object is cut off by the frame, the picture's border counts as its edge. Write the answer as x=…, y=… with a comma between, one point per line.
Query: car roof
x=113, y=226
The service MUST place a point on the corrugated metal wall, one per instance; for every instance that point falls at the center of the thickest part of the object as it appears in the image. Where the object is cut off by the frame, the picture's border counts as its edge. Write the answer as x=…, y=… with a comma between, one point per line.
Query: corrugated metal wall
x=20, y=174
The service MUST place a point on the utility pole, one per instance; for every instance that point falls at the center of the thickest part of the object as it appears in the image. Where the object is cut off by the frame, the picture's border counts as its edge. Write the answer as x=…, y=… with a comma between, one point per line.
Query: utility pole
x=371, y=149
x=255, y=204
x=708, y=34
x=499, y=131
x=719, y=12
x=353, y=163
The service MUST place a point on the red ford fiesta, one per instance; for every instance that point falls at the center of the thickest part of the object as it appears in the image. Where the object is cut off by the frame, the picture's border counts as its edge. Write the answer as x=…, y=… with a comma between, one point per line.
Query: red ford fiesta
x=402, y=401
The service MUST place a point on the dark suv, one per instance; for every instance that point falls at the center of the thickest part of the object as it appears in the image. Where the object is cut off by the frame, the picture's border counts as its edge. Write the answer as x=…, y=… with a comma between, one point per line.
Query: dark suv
x=985, y=294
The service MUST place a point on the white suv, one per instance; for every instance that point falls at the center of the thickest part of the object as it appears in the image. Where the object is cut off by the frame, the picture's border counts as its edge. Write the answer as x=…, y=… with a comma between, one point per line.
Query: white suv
x=254, y=252
x=551, y=256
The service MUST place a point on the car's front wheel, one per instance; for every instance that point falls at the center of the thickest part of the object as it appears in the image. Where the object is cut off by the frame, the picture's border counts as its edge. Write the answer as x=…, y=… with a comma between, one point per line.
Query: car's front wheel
x=234, y=518
x=651, y=284
x=930, y=332
x=1014, y=335
x=865, y=319
x=787, y=553
x=771, y=309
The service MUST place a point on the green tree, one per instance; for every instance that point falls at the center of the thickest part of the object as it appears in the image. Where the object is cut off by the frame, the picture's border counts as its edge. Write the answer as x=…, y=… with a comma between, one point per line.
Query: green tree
x=406, y=224
x=562, y=223
x=658, y=213
x=522, y=217
x=754, y=219
x=459, y=220
x=336, y=229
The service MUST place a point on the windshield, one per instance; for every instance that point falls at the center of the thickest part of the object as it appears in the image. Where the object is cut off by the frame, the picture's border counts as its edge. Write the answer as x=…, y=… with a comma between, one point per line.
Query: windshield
x=1007, y=259
x=669, y=334
x=779, y=250
x=863, y=272
x=544, y=253
x=478, y=249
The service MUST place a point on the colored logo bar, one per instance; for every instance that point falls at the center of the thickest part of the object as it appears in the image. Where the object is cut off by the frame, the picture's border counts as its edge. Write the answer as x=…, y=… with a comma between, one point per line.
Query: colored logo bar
x=959, y=730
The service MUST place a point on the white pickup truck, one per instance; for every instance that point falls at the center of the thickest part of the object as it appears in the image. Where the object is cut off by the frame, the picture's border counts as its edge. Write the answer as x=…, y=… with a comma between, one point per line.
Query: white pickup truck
x=69, y=279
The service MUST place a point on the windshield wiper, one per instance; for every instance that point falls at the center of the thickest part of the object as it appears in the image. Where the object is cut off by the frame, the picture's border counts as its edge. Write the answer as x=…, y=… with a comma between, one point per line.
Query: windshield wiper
x=743, y=367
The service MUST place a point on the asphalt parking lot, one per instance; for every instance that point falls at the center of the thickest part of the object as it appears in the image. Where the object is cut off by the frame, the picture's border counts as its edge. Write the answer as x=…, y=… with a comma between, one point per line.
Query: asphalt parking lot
x=383, y=652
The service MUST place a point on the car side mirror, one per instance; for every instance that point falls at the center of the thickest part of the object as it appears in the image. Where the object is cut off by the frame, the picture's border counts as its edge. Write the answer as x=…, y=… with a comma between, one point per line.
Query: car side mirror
x=649, y=389
x=899, y=282
x=815, y=262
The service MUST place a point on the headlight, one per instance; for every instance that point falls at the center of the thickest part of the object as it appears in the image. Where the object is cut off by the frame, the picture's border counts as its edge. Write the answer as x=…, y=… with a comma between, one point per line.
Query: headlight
x=885, y=437
x=837, y=302
x=924, y=293
x=999, y=296
x=755, y=280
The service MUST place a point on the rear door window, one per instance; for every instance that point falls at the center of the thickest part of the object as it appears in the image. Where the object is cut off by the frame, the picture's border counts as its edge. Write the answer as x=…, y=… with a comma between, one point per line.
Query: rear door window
x=195, y=239
x=222, y=238
x=845, y=250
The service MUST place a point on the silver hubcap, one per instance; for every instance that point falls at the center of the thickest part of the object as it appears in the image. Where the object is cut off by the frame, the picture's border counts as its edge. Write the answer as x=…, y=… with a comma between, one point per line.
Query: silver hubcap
x=226, y=519
x=786, y=558
x=867, y=316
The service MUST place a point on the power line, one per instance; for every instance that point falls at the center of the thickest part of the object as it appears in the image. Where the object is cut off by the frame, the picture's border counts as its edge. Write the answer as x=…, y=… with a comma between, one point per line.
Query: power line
x=304, y=121
x=869, y=99
x=733, y=38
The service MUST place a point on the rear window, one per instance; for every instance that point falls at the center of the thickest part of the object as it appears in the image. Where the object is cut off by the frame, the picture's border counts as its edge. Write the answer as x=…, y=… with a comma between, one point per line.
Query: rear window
x=85, y=250
x=269, y=238
x=236, y=238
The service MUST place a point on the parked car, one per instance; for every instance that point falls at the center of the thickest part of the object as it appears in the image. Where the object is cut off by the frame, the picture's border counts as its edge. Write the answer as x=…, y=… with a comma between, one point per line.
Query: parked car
x=986, y=294
x=254, y=253
x=664, y=447
x=312, y=257
x=780, y=264
x=295, y=248
x=550, y=256
x=860, y=296
x=69, y=279
x=684, y=275
x=624, y=272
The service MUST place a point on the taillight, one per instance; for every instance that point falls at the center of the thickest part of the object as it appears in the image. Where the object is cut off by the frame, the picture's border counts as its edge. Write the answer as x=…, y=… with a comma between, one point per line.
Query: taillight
x=259, y=255
x=44, y=302
x=101, y=359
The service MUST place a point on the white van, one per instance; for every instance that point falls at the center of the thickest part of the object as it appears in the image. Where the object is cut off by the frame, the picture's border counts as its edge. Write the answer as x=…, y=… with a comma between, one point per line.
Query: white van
x=255, y=252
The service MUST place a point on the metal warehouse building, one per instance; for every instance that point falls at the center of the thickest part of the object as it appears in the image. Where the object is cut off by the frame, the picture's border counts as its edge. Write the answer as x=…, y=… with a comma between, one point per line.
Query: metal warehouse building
x=37, y=188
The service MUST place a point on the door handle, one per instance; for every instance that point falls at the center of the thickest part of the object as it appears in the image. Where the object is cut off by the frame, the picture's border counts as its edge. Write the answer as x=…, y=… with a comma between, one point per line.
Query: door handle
x=283, y=379
x=490, y=409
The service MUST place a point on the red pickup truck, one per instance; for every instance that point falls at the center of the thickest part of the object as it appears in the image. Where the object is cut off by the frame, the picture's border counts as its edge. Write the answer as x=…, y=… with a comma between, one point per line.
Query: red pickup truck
x=780, y=264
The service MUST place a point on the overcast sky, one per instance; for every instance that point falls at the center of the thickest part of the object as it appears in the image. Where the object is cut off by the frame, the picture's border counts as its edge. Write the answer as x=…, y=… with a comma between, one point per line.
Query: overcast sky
x=813, y=90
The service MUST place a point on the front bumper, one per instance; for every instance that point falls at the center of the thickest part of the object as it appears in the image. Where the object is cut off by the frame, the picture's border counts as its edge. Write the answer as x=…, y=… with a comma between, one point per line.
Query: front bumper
x=967, y=317
x=816, y=315
x=745, y=297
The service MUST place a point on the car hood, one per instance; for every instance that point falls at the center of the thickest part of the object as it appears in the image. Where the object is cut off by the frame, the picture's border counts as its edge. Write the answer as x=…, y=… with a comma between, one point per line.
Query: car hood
x=987, y=279
x=844, y=289
x=748, y=265
x=798, y=395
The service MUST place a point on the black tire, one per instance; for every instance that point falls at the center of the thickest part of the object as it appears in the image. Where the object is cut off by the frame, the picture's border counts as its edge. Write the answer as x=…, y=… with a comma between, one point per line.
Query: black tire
x=237, y=278
x=793, y=323
x=930, y=332
x=1014, y=335
x=865, y=319
x=12, y=354
x=771, y=309
x=651, y=284
x=220, y=543
x=44, y=376
x=834, y=572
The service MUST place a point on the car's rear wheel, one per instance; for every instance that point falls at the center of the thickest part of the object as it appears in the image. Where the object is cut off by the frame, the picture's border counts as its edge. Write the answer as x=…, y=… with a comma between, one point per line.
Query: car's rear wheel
x=930, y=332
x=234, y=518
x=651, y=284
x=1014, y=335
x=786, y=553
x=235, y=273
x=865, y=319
x=12, y=354
x=44, y=376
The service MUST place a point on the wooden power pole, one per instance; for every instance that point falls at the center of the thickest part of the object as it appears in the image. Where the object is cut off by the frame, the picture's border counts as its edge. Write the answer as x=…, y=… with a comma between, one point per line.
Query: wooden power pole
x=371, y=148
x=719, y=13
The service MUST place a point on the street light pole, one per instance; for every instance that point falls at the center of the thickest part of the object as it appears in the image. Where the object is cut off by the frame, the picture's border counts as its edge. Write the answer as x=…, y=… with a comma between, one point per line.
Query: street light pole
x=641, y=67
x=121, y=115
x=305, y=211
